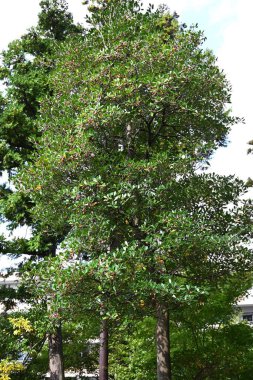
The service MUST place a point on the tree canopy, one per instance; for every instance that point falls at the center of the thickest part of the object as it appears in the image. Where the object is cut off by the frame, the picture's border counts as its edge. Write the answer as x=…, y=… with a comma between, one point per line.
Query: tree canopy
x=133, y=110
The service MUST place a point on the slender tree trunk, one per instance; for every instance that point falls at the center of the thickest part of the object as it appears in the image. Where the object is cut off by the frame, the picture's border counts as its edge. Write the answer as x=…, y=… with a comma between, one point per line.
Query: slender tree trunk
x=163, y=343
x=56, y=367
x=56, y=355
x=103, y=351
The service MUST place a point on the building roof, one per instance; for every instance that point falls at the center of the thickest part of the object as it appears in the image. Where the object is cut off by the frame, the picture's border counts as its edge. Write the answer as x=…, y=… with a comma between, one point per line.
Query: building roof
x=246, y=300
x=10, y=281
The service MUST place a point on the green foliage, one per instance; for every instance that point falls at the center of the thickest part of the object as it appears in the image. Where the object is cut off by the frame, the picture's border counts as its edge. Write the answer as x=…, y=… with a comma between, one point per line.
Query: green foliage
x=207, y=353
x=24, y=72
x=204, y=337
x=129, y=112
x=7, y=345
x=56, y=21
x=19, y=339
x=133, y=351
x=147, y=109
x=7, y=368
x=80, y=344
x=138, y=105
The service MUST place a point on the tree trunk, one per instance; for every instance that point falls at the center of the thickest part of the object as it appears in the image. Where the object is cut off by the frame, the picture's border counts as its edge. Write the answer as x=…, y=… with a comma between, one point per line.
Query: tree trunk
x=56, y=368
x=103, y=351
x=56, y=355
x=163, y=343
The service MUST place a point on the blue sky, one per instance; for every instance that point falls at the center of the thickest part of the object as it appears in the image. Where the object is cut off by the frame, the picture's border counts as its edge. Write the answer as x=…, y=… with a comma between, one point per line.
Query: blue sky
x=227, y=26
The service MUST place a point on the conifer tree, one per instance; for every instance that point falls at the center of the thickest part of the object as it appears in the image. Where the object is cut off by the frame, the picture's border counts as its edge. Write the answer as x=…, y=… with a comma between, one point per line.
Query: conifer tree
x=24, y=72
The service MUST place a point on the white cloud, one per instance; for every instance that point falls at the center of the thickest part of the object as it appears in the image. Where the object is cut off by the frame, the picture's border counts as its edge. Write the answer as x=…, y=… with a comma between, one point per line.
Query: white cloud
x=221, y=11
x=236, y=58
x=15, y=18
x=78, y=10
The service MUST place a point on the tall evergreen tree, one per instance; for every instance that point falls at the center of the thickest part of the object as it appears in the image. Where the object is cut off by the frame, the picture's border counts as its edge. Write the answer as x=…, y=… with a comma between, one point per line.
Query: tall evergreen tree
x=138, y=106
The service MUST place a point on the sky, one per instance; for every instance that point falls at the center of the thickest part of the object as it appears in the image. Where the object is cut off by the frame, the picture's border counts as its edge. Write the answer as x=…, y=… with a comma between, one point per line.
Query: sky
x=227, y=26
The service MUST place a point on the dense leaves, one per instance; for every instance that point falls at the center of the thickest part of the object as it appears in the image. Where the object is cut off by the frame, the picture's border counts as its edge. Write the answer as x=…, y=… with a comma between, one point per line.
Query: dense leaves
x=130, y=111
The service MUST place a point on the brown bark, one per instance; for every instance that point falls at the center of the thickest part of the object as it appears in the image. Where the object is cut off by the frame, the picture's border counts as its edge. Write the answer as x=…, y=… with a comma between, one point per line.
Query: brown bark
x=56, y=355
x=103, y=351
x=56, y=368
x=163, y=343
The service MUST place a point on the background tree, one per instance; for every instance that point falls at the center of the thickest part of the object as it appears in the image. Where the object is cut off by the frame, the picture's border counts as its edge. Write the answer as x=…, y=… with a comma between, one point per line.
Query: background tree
x=204, y=337
x=24, y=72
